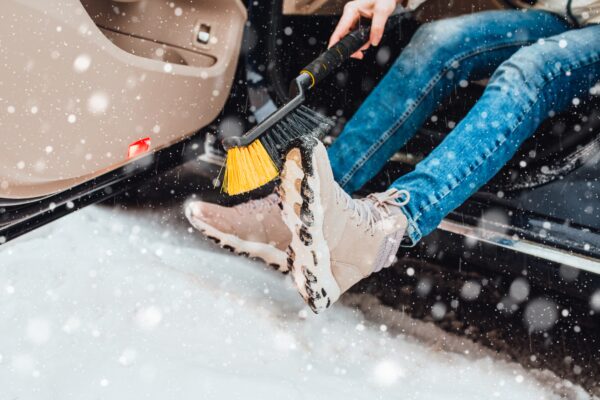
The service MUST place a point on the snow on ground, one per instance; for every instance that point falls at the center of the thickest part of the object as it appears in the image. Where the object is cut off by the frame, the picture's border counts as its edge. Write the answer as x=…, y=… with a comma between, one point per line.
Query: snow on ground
x=108, y=304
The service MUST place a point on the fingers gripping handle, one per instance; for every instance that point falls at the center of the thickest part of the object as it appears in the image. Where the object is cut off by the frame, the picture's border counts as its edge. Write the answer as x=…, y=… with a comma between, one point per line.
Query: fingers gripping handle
x=336, y=55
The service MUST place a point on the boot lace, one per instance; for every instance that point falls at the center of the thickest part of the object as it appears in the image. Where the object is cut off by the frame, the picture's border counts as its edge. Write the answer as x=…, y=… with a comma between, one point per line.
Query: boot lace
x=374, y=207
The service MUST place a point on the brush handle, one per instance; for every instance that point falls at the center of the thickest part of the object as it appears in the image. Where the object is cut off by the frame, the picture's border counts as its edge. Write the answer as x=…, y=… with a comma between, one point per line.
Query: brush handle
x=337, y=54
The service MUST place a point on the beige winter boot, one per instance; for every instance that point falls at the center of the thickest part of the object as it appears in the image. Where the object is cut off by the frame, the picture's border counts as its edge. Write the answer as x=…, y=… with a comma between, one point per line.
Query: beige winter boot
x=336, y=240
x=254, y=229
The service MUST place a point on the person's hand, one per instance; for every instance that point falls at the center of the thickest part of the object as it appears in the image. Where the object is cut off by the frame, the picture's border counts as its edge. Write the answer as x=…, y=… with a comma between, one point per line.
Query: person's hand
x=377, y=11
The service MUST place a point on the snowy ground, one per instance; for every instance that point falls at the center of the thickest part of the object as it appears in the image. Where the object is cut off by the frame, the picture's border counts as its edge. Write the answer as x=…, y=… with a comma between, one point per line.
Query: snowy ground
x=108, y=304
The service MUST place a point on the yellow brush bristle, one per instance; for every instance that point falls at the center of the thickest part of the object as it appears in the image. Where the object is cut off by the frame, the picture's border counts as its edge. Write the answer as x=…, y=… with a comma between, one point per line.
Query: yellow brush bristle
x=248, y=168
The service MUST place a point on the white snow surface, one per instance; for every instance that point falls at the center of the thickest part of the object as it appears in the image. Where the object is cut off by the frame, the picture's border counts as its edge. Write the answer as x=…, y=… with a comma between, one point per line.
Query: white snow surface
x=113, y=304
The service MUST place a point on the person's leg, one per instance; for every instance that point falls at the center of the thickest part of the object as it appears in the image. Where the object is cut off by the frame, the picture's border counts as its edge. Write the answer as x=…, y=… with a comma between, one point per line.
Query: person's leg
x=337, y=240
x=440, y=56
x=536, y=80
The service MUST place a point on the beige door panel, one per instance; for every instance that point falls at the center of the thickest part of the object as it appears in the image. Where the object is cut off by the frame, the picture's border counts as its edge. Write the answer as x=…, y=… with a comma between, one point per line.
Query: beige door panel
x=164, y=52
x=175, y=23
x=72, y=100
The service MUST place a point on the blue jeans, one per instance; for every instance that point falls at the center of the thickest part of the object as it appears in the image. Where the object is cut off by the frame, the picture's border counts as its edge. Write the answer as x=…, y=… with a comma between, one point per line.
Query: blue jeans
x=538, y=65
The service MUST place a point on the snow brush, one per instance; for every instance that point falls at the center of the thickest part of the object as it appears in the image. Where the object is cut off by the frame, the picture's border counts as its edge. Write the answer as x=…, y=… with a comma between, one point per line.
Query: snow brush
x=255, y=158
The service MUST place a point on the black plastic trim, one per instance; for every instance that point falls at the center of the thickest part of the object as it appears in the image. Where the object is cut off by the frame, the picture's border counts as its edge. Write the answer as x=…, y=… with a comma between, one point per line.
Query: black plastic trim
x=18, y=220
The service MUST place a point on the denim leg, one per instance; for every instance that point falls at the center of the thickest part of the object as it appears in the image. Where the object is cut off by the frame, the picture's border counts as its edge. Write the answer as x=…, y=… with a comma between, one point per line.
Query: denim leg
x=536, y=80
x=439, y=56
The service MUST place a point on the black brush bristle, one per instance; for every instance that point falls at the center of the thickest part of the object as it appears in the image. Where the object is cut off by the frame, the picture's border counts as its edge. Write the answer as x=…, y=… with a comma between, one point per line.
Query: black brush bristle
x=302, y=121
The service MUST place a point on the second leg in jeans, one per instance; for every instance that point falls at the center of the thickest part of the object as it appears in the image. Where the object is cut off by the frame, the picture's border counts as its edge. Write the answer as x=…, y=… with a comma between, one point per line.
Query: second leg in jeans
x=538, y=79
x=440, y=55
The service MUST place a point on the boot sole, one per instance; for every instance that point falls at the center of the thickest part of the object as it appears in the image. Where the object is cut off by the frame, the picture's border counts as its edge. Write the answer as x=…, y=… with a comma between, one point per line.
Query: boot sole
x=266, y=253
x=308, y=254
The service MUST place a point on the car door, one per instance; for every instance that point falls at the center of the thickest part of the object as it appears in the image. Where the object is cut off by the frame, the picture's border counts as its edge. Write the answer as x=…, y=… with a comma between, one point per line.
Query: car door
x=86, y=86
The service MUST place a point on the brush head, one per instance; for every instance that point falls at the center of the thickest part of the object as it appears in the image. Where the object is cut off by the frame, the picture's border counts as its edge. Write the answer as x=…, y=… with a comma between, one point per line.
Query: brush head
x=250, y=167
x=247, y=168
x=302, y=122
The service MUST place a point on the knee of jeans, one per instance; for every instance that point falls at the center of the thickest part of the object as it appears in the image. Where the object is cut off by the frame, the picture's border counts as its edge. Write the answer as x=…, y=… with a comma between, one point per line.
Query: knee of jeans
x=446, y=34
x=523, y=73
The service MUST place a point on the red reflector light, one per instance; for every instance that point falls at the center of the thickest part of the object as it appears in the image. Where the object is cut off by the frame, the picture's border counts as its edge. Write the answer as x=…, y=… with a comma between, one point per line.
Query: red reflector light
x=138, y=147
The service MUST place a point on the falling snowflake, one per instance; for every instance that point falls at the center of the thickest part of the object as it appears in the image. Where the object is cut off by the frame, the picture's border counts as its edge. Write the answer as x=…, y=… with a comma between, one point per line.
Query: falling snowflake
x=470, y=290
x=148, y=318
x=540, y=315
x=519, y=290
x=38, y=331
x=82, y=63
x=387, y=372
x=98, y=103
x=438, y=310
x=595, y=301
